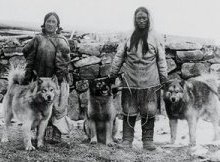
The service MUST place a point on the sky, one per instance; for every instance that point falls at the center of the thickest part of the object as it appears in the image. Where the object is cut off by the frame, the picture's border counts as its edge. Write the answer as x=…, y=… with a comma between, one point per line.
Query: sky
x=196, y=18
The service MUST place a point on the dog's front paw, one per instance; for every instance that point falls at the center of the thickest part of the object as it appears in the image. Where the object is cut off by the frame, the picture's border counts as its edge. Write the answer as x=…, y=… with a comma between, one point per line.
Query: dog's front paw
x=110, y=144
x=30, y=148
x=117, y=140
x=40, y=144
x=93, y=142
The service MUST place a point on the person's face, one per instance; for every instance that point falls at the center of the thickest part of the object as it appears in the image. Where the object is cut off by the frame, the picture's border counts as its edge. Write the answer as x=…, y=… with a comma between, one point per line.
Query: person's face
x=141, y=19
x=51, y=24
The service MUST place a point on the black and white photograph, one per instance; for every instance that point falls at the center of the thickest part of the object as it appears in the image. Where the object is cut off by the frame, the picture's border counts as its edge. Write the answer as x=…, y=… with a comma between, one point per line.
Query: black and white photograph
x=110, y=80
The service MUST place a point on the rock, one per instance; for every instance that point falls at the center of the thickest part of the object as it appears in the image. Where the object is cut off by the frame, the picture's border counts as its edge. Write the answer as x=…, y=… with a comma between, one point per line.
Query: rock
x=87, y=61
x=184, y=46
x=216, y=53
x=90, y=48
x=10, y=51
x=4, y=61
x=171, y=65
x=189, y=70
x=175, y=75
x=189, y=56
x=89, y=72
x=215, y=68
x=208, y=52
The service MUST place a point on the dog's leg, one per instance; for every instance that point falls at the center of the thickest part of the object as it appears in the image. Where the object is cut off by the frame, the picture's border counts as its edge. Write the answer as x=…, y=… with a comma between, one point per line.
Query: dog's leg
x=41, y=131
x=27, y=135
x=93, y=132
x=7, y=119
x=115, y=133
x=215, y=122
x=109, y=129
x=173, y=129
x=192, y=120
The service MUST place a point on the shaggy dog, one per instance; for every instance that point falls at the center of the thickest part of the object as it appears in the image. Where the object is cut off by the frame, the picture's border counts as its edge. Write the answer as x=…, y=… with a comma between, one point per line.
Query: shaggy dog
x=31, y=104
x=191, y=100
x=101, y=122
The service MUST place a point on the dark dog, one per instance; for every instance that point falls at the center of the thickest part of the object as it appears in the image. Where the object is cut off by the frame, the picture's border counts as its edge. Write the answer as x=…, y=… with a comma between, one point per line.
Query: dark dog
x=190, y=100
x=31, y=104
x=101, y=121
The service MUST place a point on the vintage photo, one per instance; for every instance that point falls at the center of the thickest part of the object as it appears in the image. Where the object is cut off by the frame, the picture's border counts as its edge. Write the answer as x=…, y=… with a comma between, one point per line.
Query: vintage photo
x=110, y=80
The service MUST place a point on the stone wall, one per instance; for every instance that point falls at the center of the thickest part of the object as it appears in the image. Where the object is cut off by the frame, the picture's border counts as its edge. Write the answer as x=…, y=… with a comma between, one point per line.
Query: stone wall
x=92, y=55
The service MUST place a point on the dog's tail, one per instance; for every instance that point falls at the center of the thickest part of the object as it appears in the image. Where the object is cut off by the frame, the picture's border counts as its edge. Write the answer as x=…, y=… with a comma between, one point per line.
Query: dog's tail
x=211, y=81
x=15, y=75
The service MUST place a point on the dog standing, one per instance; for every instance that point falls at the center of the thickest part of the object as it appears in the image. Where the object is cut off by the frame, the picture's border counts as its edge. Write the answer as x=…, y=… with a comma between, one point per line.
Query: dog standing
x=101, y=122
x=31, y=104
x=191, y=100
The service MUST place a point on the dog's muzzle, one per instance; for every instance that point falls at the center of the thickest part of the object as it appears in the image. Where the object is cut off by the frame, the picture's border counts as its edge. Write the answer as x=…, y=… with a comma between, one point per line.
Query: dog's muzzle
x=49, y=99
x=173, y=99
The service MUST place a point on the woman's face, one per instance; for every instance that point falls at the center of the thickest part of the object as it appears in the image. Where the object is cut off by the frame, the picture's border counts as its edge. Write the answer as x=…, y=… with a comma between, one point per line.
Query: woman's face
x=141, y=19
x=51, y=24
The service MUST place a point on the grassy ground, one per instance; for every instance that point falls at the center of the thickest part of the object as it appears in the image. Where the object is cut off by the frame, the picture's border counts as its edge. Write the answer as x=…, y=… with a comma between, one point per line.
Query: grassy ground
x=75, y=148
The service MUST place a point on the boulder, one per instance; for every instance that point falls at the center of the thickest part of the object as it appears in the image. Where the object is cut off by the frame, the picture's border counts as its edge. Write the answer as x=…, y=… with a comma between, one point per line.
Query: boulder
x=216, y=69
x=10, y=51
x=184, y=46
x=87, y=61
x=90, y=48
x=189, y=56
x=175, y=75
x=189, y=70
x=171, y=65
x=216, y=53
x=89, y=72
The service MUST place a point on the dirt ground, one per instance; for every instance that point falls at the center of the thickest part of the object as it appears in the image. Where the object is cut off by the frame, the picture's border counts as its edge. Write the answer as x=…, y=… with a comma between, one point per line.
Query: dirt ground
x=75, y=148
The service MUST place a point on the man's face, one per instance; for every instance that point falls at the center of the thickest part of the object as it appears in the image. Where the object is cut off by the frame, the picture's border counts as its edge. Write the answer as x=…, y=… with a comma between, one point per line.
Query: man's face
x=51, y=24
x=141, y=19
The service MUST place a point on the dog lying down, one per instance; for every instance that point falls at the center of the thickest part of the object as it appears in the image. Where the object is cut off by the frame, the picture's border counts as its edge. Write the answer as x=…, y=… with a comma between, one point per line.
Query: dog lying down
x=30, y=104
x=101, y=117
x=192, y=99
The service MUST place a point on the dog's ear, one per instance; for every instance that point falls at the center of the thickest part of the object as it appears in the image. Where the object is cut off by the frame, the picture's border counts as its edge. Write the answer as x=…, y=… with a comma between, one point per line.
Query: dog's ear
x=39, y=81
x=167, y=83
x=55, y=80
x=182, y=82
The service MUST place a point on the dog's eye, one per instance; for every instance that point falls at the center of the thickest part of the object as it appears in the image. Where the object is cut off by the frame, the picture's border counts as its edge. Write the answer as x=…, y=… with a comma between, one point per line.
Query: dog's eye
x=51, y=90
x=44, y=90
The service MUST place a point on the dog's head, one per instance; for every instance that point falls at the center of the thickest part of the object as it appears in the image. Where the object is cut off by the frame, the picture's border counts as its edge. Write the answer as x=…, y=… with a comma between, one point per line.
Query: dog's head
x=174, y=90
x=100, y=87
x=47, y=88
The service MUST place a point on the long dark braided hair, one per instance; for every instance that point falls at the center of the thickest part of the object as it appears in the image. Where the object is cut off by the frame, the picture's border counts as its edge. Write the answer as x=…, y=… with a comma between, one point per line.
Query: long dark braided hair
x=58, y=22
x=140, y=33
